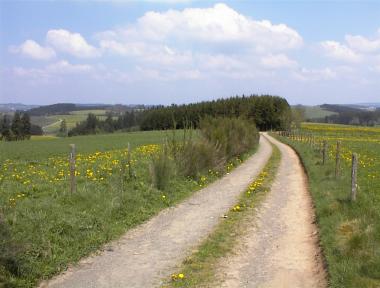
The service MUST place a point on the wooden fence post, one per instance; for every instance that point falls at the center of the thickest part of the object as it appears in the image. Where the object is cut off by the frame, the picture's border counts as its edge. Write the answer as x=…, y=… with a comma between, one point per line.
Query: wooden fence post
x=73, y=184
x=123, y=163
x=354, y=173
x=337, y=160
x=129, y=161
x=324, y=152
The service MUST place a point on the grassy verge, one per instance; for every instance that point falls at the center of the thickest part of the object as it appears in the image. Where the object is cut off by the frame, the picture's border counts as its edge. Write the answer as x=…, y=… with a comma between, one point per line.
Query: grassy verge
x=349, y=231
x=44, y=228
x=198, y=270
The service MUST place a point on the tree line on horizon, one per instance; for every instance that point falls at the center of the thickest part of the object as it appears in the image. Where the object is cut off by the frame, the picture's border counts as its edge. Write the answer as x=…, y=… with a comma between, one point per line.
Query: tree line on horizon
x=266, y=112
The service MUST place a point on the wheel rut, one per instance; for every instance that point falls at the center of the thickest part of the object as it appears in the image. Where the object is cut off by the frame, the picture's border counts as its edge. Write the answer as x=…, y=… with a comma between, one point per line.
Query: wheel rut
x=280, y=243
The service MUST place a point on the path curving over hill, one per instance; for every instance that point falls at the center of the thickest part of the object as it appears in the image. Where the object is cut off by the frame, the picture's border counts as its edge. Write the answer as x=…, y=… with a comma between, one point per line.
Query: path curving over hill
x=146, y=254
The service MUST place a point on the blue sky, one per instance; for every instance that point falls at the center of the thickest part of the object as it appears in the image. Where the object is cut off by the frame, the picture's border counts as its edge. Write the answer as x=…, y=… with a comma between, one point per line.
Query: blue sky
x=163, y=52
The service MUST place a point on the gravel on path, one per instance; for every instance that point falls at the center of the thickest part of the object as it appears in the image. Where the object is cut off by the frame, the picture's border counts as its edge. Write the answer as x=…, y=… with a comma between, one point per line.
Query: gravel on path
x=280, y=244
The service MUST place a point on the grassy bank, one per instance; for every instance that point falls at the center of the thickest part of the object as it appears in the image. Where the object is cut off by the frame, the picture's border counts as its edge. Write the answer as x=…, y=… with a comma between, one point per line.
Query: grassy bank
x=198, y=270
x=349, y=231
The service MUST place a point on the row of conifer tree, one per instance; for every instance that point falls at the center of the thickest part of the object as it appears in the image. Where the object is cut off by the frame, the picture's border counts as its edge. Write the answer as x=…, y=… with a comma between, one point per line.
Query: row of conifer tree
x=266, y=112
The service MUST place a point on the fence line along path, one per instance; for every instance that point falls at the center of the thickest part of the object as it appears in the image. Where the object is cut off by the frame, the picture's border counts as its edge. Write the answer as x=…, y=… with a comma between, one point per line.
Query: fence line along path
x=150, y=252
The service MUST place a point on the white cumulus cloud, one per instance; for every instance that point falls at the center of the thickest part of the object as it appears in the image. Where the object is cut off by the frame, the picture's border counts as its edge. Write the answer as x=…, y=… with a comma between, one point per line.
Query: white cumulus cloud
x=278, y=61
x=71, y=43
x=64, y=67
x=53, y=72
x=34, y=50
x=338, y=51
x=219, y=24
x=305, y=74
x=363, y=44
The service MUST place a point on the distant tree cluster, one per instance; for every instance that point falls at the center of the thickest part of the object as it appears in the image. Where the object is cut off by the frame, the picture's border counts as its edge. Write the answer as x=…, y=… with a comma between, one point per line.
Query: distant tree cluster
x=266, y=112
x=17, y=127
x=92, y=125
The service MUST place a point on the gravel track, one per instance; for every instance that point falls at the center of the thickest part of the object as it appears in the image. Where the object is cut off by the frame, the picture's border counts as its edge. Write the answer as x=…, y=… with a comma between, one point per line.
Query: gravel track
x=279, y=246
x=151, y=251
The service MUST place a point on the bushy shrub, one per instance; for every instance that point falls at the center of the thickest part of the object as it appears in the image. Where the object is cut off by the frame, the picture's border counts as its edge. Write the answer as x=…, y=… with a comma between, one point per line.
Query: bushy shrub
x=197, y=157
x=220, y=139
x=235, y=136
x=161, y=169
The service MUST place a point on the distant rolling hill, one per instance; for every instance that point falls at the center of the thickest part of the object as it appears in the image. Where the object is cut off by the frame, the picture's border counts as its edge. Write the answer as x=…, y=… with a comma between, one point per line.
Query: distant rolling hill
x=315, y=112
x=11, y=107
x=321, y=111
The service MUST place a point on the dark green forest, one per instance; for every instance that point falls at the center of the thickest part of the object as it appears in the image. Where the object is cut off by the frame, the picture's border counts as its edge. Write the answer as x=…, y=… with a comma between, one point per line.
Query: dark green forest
x=266, y=112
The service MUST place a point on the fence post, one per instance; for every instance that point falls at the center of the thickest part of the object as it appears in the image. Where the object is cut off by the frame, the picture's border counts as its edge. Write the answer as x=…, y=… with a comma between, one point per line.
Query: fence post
x=354, y=174
x=129, y=161
x=337, y=160
x=73, y=184
x=324, y=152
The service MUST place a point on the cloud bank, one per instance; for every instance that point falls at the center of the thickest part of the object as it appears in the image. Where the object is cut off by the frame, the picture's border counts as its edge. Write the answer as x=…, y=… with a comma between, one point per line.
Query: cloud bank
x=199, y=44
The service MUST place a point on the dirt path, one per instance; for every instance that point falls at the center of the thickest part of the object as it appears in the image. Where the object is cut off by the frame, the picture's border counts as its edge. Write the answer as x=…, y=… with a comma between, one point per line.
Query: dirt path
x=143, y=256
x=279, y=248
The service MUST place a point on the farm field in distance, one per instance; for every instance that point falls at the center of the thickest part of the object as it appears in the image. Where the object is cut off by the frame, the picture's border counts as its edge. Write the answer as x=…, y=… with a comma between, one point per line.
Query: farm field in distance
x=316, y=112
x=50, y=124
x=350, y=231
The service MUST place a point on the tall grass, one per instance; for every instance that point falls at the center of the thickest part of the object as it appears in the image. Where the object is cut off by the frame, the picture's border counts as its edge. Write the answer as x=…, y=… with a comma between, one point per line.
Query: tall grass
x=220, y=140
x=235, y=136
x=197, y=157
x=9, y=252
x=162, y=169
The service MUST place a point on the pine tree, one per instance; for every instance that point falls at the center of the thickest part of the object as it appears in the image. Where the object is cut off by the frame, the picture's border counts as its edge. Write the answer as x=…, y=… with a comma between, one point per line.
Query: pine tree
x=17, y=127
x=63, y=128
x=26, y=126
x=5, y=129
x=91, y=123
x=109, y=123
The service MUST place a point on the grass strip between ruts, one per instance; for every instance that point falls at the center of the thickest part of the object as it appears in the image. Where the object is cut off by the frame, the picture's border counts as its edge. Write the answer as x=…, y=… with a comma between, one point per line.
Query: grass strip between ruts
x=199, y=269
